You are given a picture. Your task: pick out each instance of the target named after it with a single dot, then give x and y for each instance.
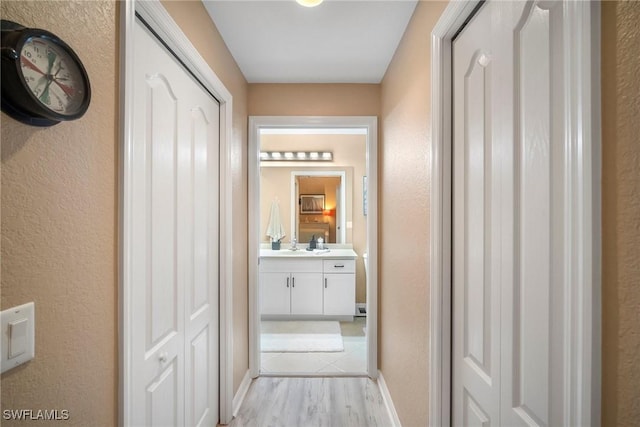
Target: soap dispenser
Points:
(312, 242)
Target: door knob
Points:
(163, 357)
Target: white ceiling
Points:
(336, 42)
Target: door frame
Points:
(343, 199)
(172, 36)
(370, 123)
(582, 359)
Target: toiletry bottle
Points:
(320, 244)
(312, 242)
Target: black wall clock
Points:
(43, 80)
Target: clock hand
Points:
(31, 65)
(52, 57)
(45, 93)
(59, 68)
(66, 89)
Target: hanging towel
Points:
(275, 230)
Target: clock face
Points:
(52, 75)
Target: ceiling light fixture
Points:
(309, 3)
(324, 156)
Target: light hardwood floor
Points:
(312, 402)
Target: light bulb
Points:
(309, 3)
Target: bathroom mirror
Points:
(318, 202)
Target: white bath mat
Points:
(300, 336)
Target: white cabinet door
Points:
(306, 293)
(275, 297)
(339, 294)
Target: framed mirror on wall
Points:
(321, 203)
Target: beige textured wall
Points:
(621, 213)
(404, 219)
(59, 229)
(195, 22)
(314, 99)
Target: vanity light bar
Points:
(313, 156)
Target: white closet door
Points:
(175, 250)
(509, 210)
(476, 261)
(534, 254)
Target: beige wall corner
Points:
(195, 22)
(620, 213)
(59, 195)
(404, 233)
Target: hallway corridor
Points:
(296, 402)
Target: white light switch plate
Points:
(18, 335)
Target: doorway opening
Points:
(304, 303)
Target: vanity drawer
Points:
(339, 265)
(291, 265)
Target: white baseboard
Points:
(388, 403)
(241, 393)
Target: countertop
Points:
(302, 253)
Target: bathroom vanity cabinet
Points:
(307, 286)
(339, 296)
(291, 293)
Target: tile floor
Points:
(352, 360)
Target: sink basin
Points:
(286, 252)
(332, 253)
(289, 252)
(300, 252)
